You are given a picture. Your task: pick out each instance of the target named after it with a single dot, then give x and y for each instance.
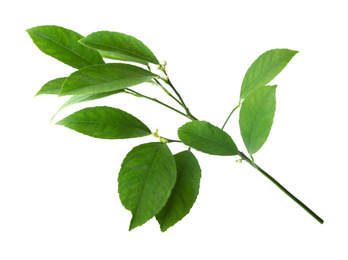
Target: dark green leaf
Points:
(86, 97)
(145, 181)
(105, 123)
(62, 44)
(264, 69)
(119, 46)
(207, 138)
(52, 87)
(104, 78)
(256, 117)
(184, 193)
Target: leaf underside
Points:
(184, 193)
(145, 181)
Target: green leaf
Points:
(119, 46)
(264, 69)
(62, 44)
(184, 193)
(86, 97)
(256, 117)
(104, 78)
(207, 138)
(52, 87)
(105, 123)
(145, 181)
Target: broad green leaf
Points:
(52, 87)
(184, 193)
(105, 123)
(62, 44)
(256, 117)
(207, 138)
(104, 78)
(86, 97)
(119, 46)
(264, 69)
(145, 181)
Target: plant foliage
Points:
(152, 182)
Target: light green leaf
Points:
(62, 44)
(207, 138)
(184, 193)
(119, 46)
(256, 117)
(52, 87)
(86, 97)
(145, 181)
(105, 123)
(264, 69)
(104, 78)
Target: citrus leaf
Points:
(62, 44)
(184, 193)
(256, 117)
(105, 123)
(119, 46)
(145, 181)
(265, 68)
(86, 97)
(52, 87)
(207, 138)
(104, 78)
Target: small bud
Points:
(158, 67)
(165, 78)
(164, 63)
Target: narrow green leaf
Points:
(52, 87)
(86, 97)
(104, 78)
(62, 44)
(119, 46)
(145, 181)
(256, 117)
(105, 123)
(207, 138)
(184, 193)
(265, 68)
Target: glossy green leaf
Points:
(105, 123)
(264, 69)
(62, 44)
(184, 193)
(84, 98)
(52, 87)
(104, 78)
(119, 46)
(207, 138)
(145, 181)
(256, 117)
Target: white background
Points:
(58, 188)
